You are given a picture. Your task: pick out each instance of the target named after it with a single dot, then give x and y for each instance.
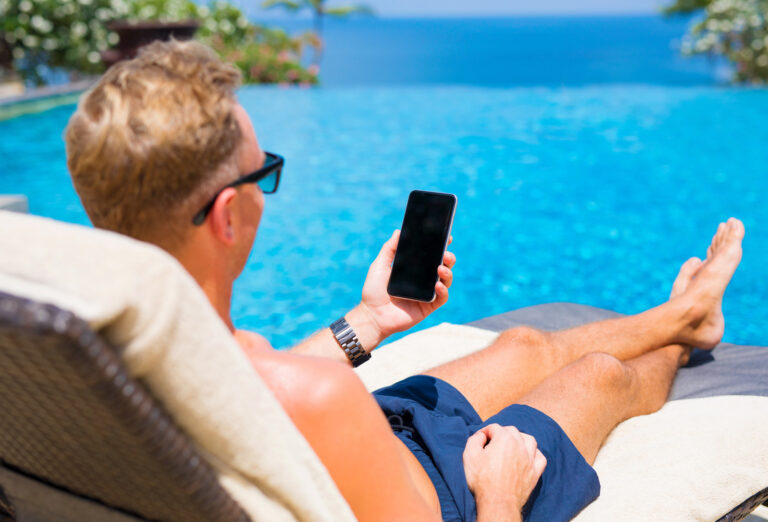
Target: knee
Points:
(525, 335)
(606, 369)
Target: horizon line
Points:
(432, 16)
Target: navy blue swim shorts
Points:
(434, 420)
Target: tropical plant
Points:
(319, 11)
(268, 56)
(736, 29)
(55, 34)
(686, 6)
(42, 35)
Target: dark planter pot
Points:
(133, 36)
(6, 56)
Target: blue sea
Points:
(571, 186)
(507, 52)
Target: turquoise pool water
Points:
(593, 195)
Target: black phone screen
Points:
(420, 250)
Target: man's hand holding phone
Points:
(393, 314)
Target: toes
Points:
(736, 227)
(687, 272)
(690, 266)
(727, 232)
(721, 231)
(694, 264)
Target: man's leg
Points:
(522, 358)
(589, 397)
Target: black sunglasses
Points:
(267, 177)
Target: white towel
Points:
(142, 300)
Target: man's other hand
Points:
(502, 467)
(392, 314)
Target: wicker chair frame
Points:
(7, 512)
(75, 419)
(743, 510)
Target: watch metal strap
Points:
(349, 342)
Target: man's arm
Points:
(379, 315)
(346, 429)
(323, 344)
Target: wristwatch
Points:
(349, 342)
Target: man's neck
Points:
(220, 296)
(212, 278)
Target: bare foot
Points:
(685, 276)
(702, 291)
(682, 281)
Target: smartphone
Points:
(423, 240)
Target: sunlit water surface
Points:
(593, 195)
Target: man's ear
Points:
(223, 216)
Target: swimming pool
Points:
(593, 195)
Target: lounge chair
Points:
(125, 398)
(75, 418)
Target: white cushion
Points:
(143, 301)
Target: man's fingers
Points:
(475, 443)
(441, 295)
(539, 463)
(387, 252)
(492, 430)
(446, 275)
(530, 445)
(449, 259)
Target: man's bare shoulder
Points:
(341, 420)
(251, 342)
(292, 377)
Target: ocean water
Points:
(505, 52)
(590, 194)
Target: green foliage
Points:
(348, 10)
(318, 7)
(70, 34)
(289, 5)
(738, 30)
(56, 33)
(686, 6)
(160, 10)
(226, 22)
(269, 56)
(263, 54)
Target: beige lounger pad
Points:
(143, 301)
(695, 459)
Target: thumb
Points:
(387, 253)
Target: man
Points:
(160, 150)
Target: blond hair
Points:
(149, 141)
